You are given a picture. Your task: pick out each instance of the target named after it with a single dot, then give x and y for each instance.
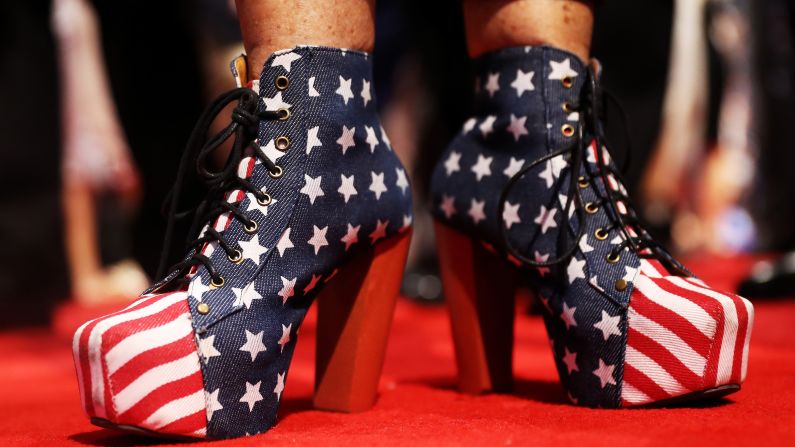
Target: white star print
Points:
(469, 125)
(288, 288)
(487, 126)
(584, 247)
(253, 344)
(379, 232)
(594, 281)
(246, 295)
(517, 127)
(213, 404)
(271, 152)
(318, 239)
(562, 198)
(605, 373)
(452, 164)
(311, 84)
(372, 140)
(377, 185)
(510, 214)
(407, 219)
(312, 188)
(366, 95)
(285, 60)
(493, 84)
(346, 187)
(312, 283)
(541, 258)
(197, 288)
(523, 82)
(251, 249)
(546, 174)
(476, 210)
(312, 140)
(514, 166)
(546, 218)
(285, 335)
(402, 182)
(483, 167)
(448, 205)
(568, 316)
(558, 165)
(608, 325)
(575, 269)
(385, 138)
(561, 70)
(276, 102)
(253, 204)
(351, 237)
(570, 360)
(207, 348)
(344, 89)
(346, 139)
(631, 273)
(279, 385)
(252, 395)
(284, 242)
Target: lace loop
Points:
(617, 205)
(245, 119)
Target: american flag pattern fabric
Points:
(655, 337)
(162, 364)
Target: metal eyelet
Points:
(284, 114)
(621, 285)
(567, 107)
(567, 130)
(612, 257)
(203, 308)
(281, 82)
(567, 82)
(591, 208)
(266, 200)
(583, 182)
(251, 227)
(237, 258)
(278, 173)
(217, 282)
(600, 234)
(282, 143)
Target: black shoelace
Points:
(591, 111)
(244, 126)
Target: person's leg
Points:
(270, 25)
(496, 24)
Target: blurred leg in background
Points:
(97, 168)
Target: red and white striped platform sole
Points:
(139, 368)
(685, 339)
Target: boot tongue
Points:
(239, 69)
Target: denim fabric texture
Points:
(519, 117)
(343, 190)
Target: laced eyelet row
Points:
(282, 143)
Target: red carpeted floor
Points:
(419, 405)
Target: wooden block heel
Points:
(479, 289)
(354, 316)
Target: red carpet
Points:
(418, 402)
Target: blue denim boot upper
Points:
(507, 181)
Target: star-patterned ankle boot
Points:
(529, 188)
(312, 203)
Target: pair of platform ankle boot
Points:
(313, 203)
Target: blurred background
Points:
(97, 99)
